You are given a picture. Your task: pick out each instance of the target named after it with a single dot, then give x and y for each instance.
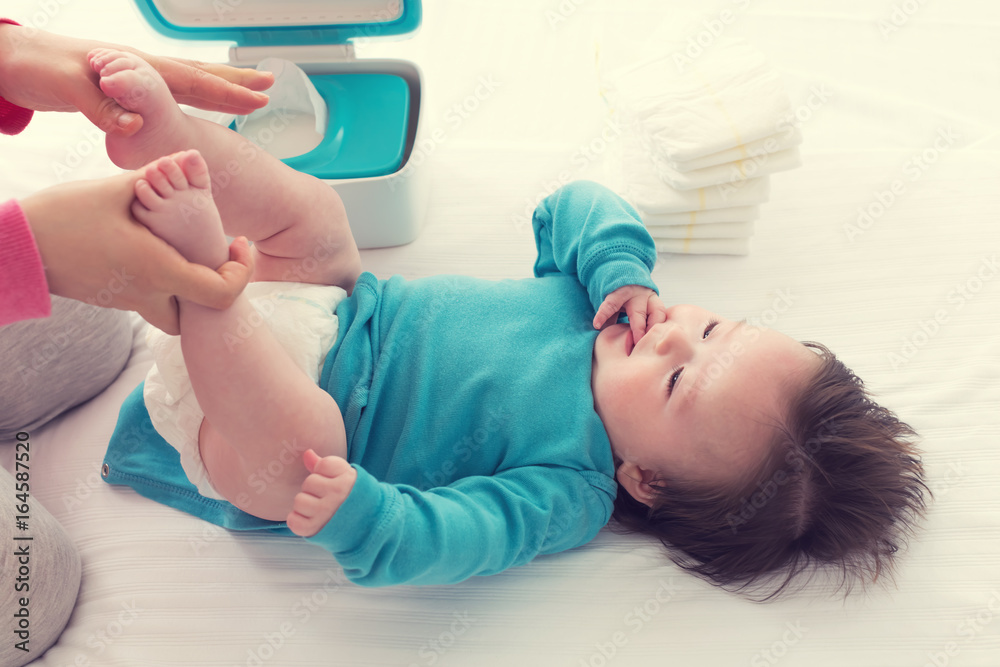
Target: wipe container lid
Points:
(277, 23)
(374, 105)
(368, 128)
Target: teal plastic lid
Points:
(366, 134)
(277, 23)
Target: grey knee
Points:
(41, 578)
(51, 365)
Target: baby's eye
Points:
(709, 328)
(675, 377)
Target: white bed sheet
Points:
(163, 588)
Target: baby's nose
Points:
(671, 340)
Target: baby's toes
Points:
(133, 89)
(146, 197)
(173, 173)
(195, 169)
(159, 180)
(125, 87)
(100, 57)
(113, 62)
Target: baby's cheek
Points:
(628, 394)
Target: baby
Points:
(451, 426)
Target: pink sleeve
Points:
(24, 291)
(13, 118)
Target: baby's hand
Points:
(323, 492)
(641, 304)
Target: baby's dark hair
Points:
(842, 487)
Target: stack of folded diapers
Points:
(700, 138)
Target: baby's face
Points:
(697, 397)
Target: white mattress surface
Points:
(163, 588)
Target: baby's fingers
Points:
(610, 308)
(656, 312)
(327, 466)
(635, 308)
(317, 502)
(310, 458)
(309, 506)
(307, 516)
(335, 488)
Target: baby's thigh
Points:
(263, 480)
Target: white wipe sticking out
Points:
(294, 120)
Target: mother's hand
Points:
(48, 72)
(94, 250)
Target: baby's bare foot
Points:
(173, 198)
(137, 87)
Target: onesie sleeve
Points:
(387, 534)
(587, 231)
(13, 118)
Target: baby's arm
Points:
(385, 534)
(587, 231)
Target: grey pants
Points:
(46, 367)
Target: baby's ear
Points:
(638, 482)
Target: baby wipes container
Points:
(373, 118)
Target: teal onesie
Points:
(467, 405)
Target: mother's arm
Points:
(67, 241)
(43, 71)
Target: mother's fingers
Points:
(214, 87)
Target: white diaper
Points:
(301, 317)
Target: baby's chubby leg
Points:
(297, 223)
(260, 407)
